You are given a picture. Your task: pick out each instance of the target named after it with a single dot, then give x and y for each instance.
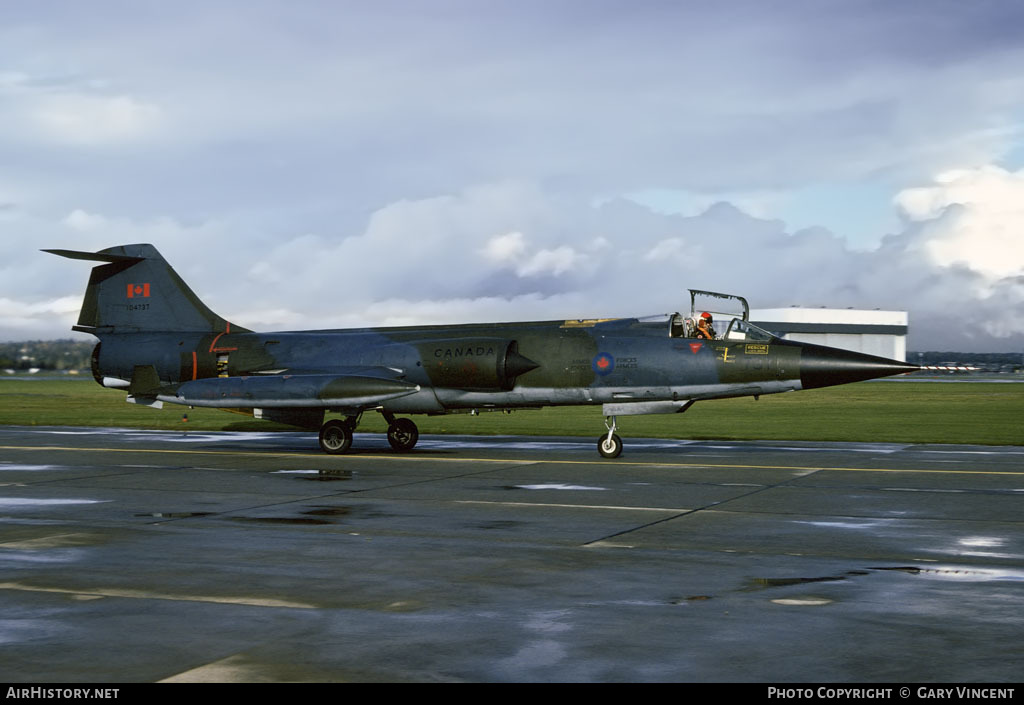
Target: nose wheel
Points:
(609, 445)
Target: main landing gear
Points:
(402, 433)
(609, 445)
(336, 434)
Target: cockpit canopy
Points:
(737, 329)
(708, 312)
(745, 330)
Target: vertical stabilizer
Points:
(137, 291)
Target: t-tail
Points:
(136, 291)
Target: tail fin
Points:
(137, 291)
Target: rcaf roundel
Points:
(603, 363)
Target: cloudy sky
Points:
(333, 164)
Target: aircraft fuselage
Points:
(618, 362)
(160, 343)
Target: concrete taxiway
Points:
(157, 556)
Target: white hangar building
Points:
(881, 333)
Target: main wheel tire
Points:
(402, 435)
(335, 437)
(609, 447)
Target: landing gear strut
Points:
(609, 445)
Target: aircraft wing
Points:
(360, 389)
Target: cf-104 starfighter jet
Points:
(160, 343)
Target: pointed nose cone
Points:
(824, 367)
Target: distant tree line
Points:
(46, 355)
(986, 361)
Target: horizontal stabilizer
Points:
(94, 256)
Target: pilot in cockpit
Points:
(705, 330)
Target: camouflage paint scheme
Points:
(160, 343)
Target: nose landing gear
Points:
(609, 445)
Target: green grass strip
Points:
(984, 413)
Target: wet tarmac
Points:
(152, 556)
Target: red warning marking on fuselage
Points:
(695, 347)
(214, 342)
